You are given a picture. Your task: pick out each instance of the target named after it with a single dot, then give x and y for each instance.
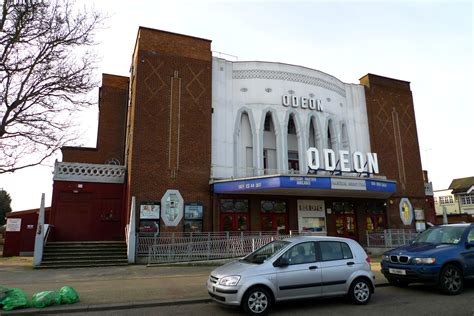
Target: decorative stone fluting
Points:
(289, 76)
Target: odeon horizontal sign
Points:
(302, 182)
(302, 102)
(360, 163)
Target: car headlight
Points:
(424, 260)
(385, 258)
(230, 280)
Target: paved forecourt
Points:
(103, 288)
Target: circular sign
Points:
(406, 211)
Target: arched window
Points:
(246, 165)
(332, 141)
(344, 138)
(292, 142)
(269, 145)
(314, 136)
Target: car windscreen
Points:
(441, 235)
(266, 252)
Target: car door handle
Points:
(313, 267)
(350, 263)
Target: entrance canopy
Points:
(309, 185)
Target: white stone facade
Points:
(244, 93)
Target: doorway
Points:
(346, 226)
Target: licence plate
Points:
(397, 271)
(210, 288)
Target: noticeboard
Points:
(13, 225)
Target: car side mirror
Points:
(282, 262)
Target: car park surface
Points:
(295, 268)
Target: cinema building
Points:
(194, 142)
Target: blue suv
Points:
(442, 255)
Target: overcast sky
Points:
(429, 44)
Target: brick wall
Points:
(393, 136)
(113, 98)
(169, 141)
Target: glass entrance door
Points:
(234, 215)
(275, 222)
(274, 216)
(234, 222)
(346, 226)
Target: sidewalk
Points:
(120, 287)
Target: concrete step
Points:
(80, 253)
(81, 265)
(88, 250)
(84, 261)
(91, 246)
(70, 258)
(84, 254)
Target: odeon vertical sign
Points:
(361, 163)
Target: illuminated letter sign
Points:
(360, 163)
(302, 102)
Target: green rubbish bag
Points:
(3, 292)
(68, 295)
(45, 298)
(15, 298)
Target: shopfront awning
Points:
(311, 185)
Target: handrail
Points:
(47, 229)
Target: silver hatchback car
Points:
(294, 268)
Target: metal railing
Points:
(184, 247)
(390, 238)
(47, 228)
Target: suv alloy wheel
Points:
(451, 280)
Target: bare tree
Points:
(46, 67)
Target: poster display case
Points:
(311, 216)
(149, 221)
(193, 216)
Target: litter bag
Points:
(68, 295)
(3, 292)
(15, 298)
(45, 298)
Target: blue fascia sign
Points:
(303, 182)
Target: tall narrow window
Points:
(269, 145)
(291, 126)
(267, 126)
(344, 137)
(245, 152)
(292, 140)
(329, 138)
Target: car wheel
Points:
(257, 301)
(451, 280)
(359, 291)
